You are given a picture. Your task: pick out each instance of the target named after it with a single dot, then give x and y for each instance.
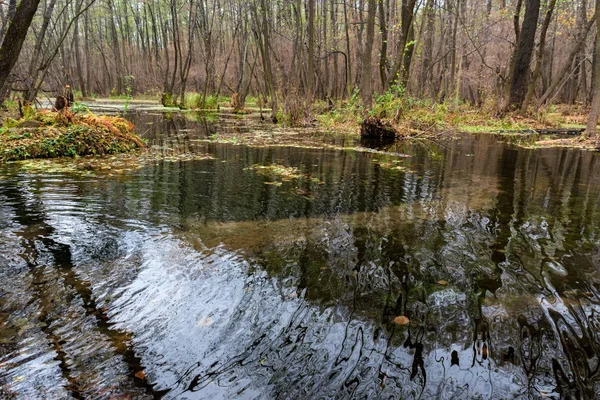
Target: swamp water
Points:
(277, 272)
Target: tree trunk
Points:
(115, 48)
(406, 16)
(522, 56)
(324, 46)
(384, 39)
(265, 46)
(348, 54)
(15, 36)
(310, 74)
(37, 52)
(591, 128)
(86, 49)
(78, 68)
(425, 78)
(367, 80)
(563, 72)
(540, 56)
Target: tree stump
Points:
(375, 128)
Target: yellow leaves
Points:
(401, 320)
(140, 375)
(280, 173)
(442, 282)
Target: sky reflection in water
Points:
(218, 285)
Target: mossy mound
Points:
(47, 134)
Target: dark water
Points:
(211, 280)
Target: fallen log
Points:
(565, 131)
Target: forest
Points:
(505, 56)
(299, 199)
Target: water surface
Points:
(215, 279)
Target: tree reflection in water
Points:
(226, 287)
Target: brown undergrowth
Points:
(47, 134)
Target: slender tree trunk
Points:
(335, 84)
(384, 41)
(408, 55)
(348, 54)
(37, 52)
(367, 80)
(78, 61)
(185, 68)
(425, 79)
(325, 46)
(560, 77)
(406, 15)
(595, 61)
(266, 50)
(516, 18)
(358, 42)
(453, 47)
(115, 48)
(86, 49)
(310, 75)
(591, 128)
(177, 45)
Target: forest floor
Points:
(433, 120)
(410, 119)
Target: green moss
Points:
(67, 135)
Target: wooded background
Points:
(517, 53)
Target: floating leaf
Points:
(401, 320)
(442, 282)
(208, 321)
(140, 375)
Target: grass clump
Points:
(48, 134)
(198, 101)
(411, 116)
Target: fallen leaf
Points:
(140, 375)
(208, 321)
(401, 320)
(442, 282)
